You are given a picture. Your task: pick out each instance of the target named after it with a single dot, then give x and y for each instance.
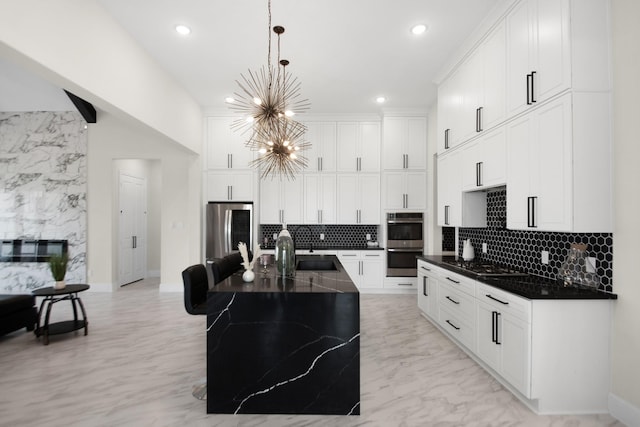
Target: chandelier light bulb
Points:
(270, 143)
(285, 143)
(289, 113)
(229, 100)
(249, 119)
(257, 101)
(262, 150)
(293, 156)
(296, 148)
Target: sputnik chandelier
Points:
(267, 103)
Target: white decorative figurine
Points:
(248, 275)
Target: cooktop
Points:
(485, 269)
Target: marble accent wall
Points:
(43, 191)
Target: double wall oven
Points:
(405, 241)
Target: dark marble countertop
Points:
(310, 281)
(530, 287)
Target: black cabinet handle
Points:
(446, 139)
(446, 215)
(479, 167)
(453, 326)
(531, 211)
(497, 330)
(425, 268)
(452, 300)
(479, 119)
(454, 281)
(529, 78)
(533, 92)
(493, 326)
(424, 287)
(496, 299)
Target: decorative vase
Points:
(248, 276)
(285, 254)
(60, 284)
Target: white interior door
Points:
(132, 229)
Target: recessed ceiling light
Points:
(381, 99)
(418, 29)
(183, 29)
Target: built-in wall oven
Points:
(405, 241)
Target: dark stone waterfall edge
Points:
(283, 353)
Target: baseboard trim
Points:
(171, 287)
(624, 411)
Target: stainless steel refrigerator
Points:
(227, 224)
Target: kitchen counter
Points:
(530, 287)
(284, 345)
(332, 248)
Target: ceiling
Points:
(345, 53)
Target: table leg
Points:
(84, 316)
(37, 331)
(73, 298)
(45, 328)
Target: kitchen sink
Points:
(316, 265)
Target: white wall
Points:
(78, 46)
(180, 195)
(626, 322)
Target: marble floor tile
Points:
(144, 353)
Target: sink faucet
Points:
(295, 236)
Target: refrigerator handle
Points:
(227, 230)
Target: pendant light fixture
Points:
(267, 103)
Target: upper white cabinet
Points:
(281, 201)
(472, 99)
(449, 190)
(358, 198)
(554, 45)
(559, 168)
(359, 144)
(405, 190)
(320, 198)
(322, 154)
(484, 162)
(404, 143)
(230, 186)
(226, 148)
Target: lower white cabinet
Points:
(401, 284)
(428, 289)
(365, 268)
(551, 353)
(503, 337)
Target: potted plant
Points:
(58, 265)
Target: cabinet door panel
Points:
(519, 134)
(394, 190)
(393, 145)
(486, 348)
(348, 199)
(416, 183)
(372, 271)
(516, 353)
(369, 199)
(369, 149)
(518, 26)
(270, 201)
(416, 143)
(347, 140)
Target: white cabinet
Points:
(554, 45)
(558, 166)
(538, 52)
(427, 289)
(359, 144)
(322, 154)
(230, 186)
(449, 102)
(365, 268)
(449, 190)
(320, 198)
(226, 148)
(404, 143)
(484, 161)
(405, 190)
(504, 335)
(281, 201)
(358, 198)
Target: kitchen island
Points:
(285, 345)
